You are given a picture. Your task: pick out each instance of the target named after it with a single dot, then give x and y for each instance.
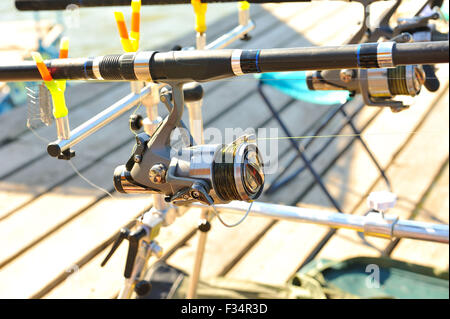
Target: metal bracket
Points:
(396, 106)
(379, 225)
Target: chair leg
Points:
(299, 149)
(364, 144)
(278, 185)
(275, 185)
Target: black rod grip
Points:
(425, 52)
(36, 5)
(208, 65)
(312, 58)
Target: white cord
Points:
(43, 139)
(88, 181)
(235, 224)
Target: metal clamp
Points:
(384, 54)
(377, 225)
(236, 62)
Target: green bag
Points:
(352, 278)
(361, 277)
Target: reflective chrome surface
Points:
(390, 228)
(200, 40)
(384, 54)
(236, 62)
(377, 80)
(248, 175)
(196, 120)
(63, 128)
(233, 35)
(141, 66)
(96, 68)
(412, 74)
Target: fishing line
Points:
(71, 164)
(46, 141)
(88, 181)
(235, 224)
(348, 135)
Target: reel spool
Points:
(377, 86)
(218, 174)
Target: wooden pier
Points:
(55, 229)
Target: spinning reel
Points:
(210, 174)
(378, 87)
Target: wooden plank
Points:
(434, 210)
(38, 177)
(270, 260)
(121, 264)
(64, 248)
(223, 245)
(66, 202)
(92, 281)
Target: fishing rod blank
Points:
(205, 65)
(26, 5)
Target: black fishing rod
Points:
(36, 5)
(207, 65)
(26, 5)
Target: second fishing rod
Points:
(204, 65)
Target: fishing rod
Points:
(26, 5)
(205, 65)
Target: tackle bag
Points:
(361, 277)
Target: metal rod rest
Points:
(231, 36)
(389, 227)
(97, 122)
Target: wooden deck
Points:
(55, 228)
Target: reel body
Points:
(211, 174)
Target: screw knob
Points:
(142, 288)
(381, 201)
(204, 225)
(157, 174)
(135, 121)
